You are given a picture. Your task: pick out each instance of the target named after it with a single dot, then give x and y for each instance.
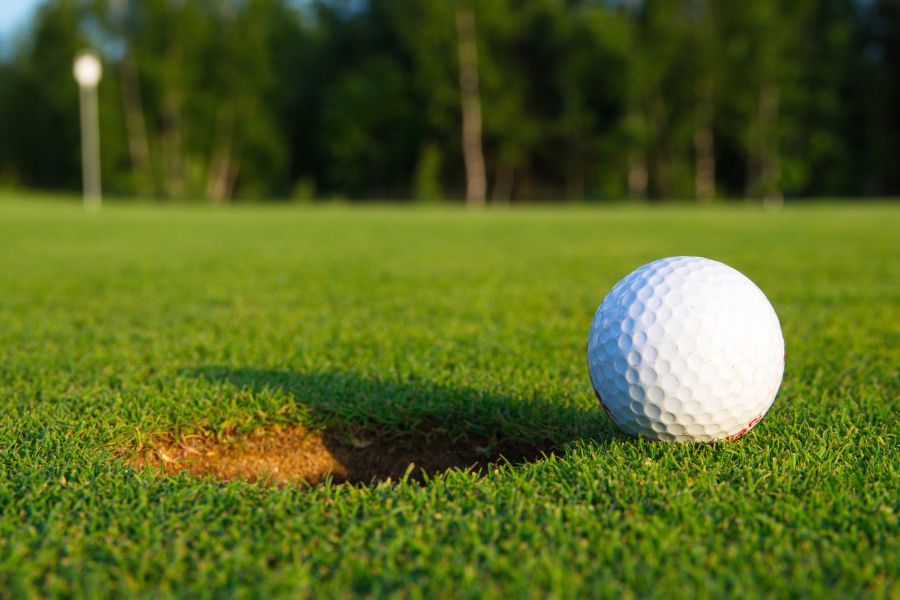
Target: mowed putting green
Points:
(442, 338)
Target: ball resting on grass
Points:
(686, 349)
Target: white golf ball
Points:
(686, 349)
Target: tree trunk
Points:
(473, 155)
(132, 105)
(138, 147)
(219, 174)
(173, 165)
(575, 175)
(704, 145)
(765, 167)
(171, 138)
(704, 164)
(663, 161)
(637, 176)
(503, 184)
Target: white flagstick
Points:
(88, 71)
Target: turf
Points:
(432, 322)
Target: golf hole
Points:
(295, 455)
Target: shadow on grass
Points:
(374, 429)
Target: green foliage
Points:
(428, 174)
(304, 190)
(579, 99)
(142, 319)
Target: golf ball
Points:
(686, 349)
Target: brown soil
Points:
(282, 455)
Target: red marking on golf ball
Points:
(745, 429)
(603, 404)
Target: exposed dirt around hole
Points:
(283, 455)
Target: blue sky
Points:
(15, 13)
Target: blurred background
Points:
(489, 100)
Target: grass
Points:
(148, 319)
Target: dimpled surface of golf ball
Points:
(686, 349)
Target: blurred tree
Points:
(878, 95)
(367, 128)
(507, 99)
(40, 102)
(427, 32)
(470, 94)
(204, 71)
(706, 78)
(593, 79)
(121, 25)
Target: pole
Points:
(90, 148)
(88, 71)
